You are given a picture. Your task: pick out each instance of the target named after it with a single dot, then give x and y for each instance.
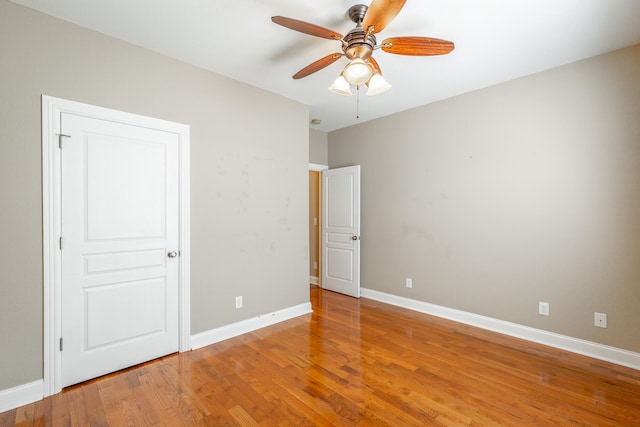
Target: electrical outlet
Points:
(238, 302)
(543, 308)
(409, 283)
(315, 265)
(315, 221)
(600, 320)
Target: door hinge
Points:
(60, 343)
(60, 136)
(60, 243)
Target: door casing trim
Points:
(52, 108)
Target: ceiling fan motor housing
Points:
(358, 44)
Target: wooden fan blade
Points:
(374, 64)
(381, 13)
(417, 46)
(305, 27)
(318, 65)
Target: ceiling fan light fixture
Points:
(357, 72)
(341, 86)
(377, 85)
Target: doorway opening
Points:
(315, 223)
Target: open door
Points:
(341, 230)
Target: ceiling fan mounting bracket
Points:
(357, 12)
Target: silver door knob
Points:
(172, 254)
(354, 237)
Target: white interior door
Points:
(341, 230)
(119, 246)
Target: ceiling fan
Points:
(359, 43)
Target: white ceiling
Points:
(496, 40)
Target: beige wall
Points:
(314, 229)
(249, 194)
(523, 192)
(318, 147)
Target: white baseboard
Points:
(575, 345)
(34, 391)
(233, 330)
(314, 280)
(20, 395)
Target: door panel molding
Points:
(52, 109)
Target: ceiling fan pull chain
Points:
(357, 101)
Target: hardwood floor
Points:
(353, 362)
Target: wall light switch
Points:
(543, 308)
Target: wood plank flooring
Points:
(353, 363)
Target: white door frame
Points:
(52, 108)
(317, 167)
